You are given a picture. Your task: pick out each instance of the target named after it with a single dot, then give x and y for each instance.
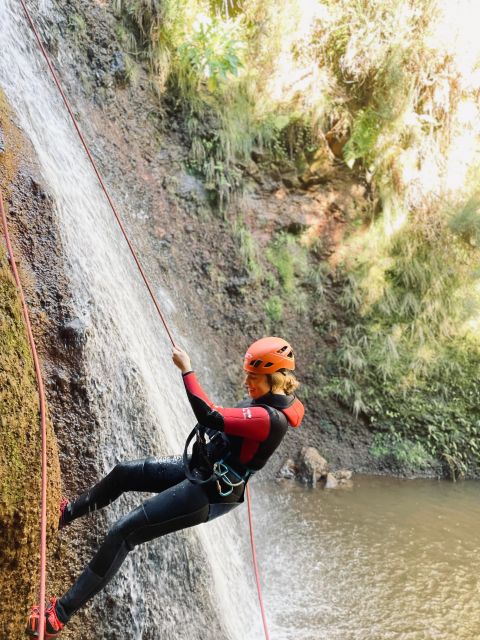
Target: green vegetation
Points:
(20, 468)
(217, 61)
(18, 395)
(248, 251)
(210, 55)
(287, 256)
(400, 452)
(19, 459)
(77, 26)
(274, 309)
(408, 356)
(392, 86)
(442, 414)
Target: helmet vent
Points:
(282, 349)
(269, 364)
(255, 363)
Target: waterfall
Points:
(194, 584)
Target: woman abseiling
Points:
(241, 440)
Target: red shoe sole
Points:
(33, 620)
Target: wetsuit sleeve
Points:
(250, 422)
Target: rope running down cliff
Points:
(140, 268)
(43, 415)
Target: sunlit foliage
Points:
(391, 89)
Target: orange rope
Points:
(43, 417)
(255, 566)
(95, 168)
(137, 261)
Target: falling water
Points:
(180, 583)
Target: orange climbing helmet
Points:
(268, 355)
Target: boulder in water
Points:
(312, 466)
(340, 478)
(288, 470)
(343, 474)
(331, 482)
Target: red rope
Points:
(137, 261)
(43, 418)
(255, 565)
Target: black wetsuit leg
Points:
(183, 505)
(180, 504)
(146, 474)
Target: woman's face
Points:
(257, 384)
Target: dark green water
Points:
(387, 559)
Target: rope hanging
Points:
(95, 168)
(43, 416)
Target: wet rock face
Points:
(74, 333)
(118, 67)
(235, 286)
(37, 189)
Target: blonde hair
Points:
(283, 380)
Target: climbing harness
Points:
(221, 470)
(199, 462)
(150, 291)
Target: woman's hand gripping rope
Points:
(181, 359)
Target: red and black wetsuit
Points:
(244, 436)
(251, 431)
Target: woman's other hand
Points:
(181, 359)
